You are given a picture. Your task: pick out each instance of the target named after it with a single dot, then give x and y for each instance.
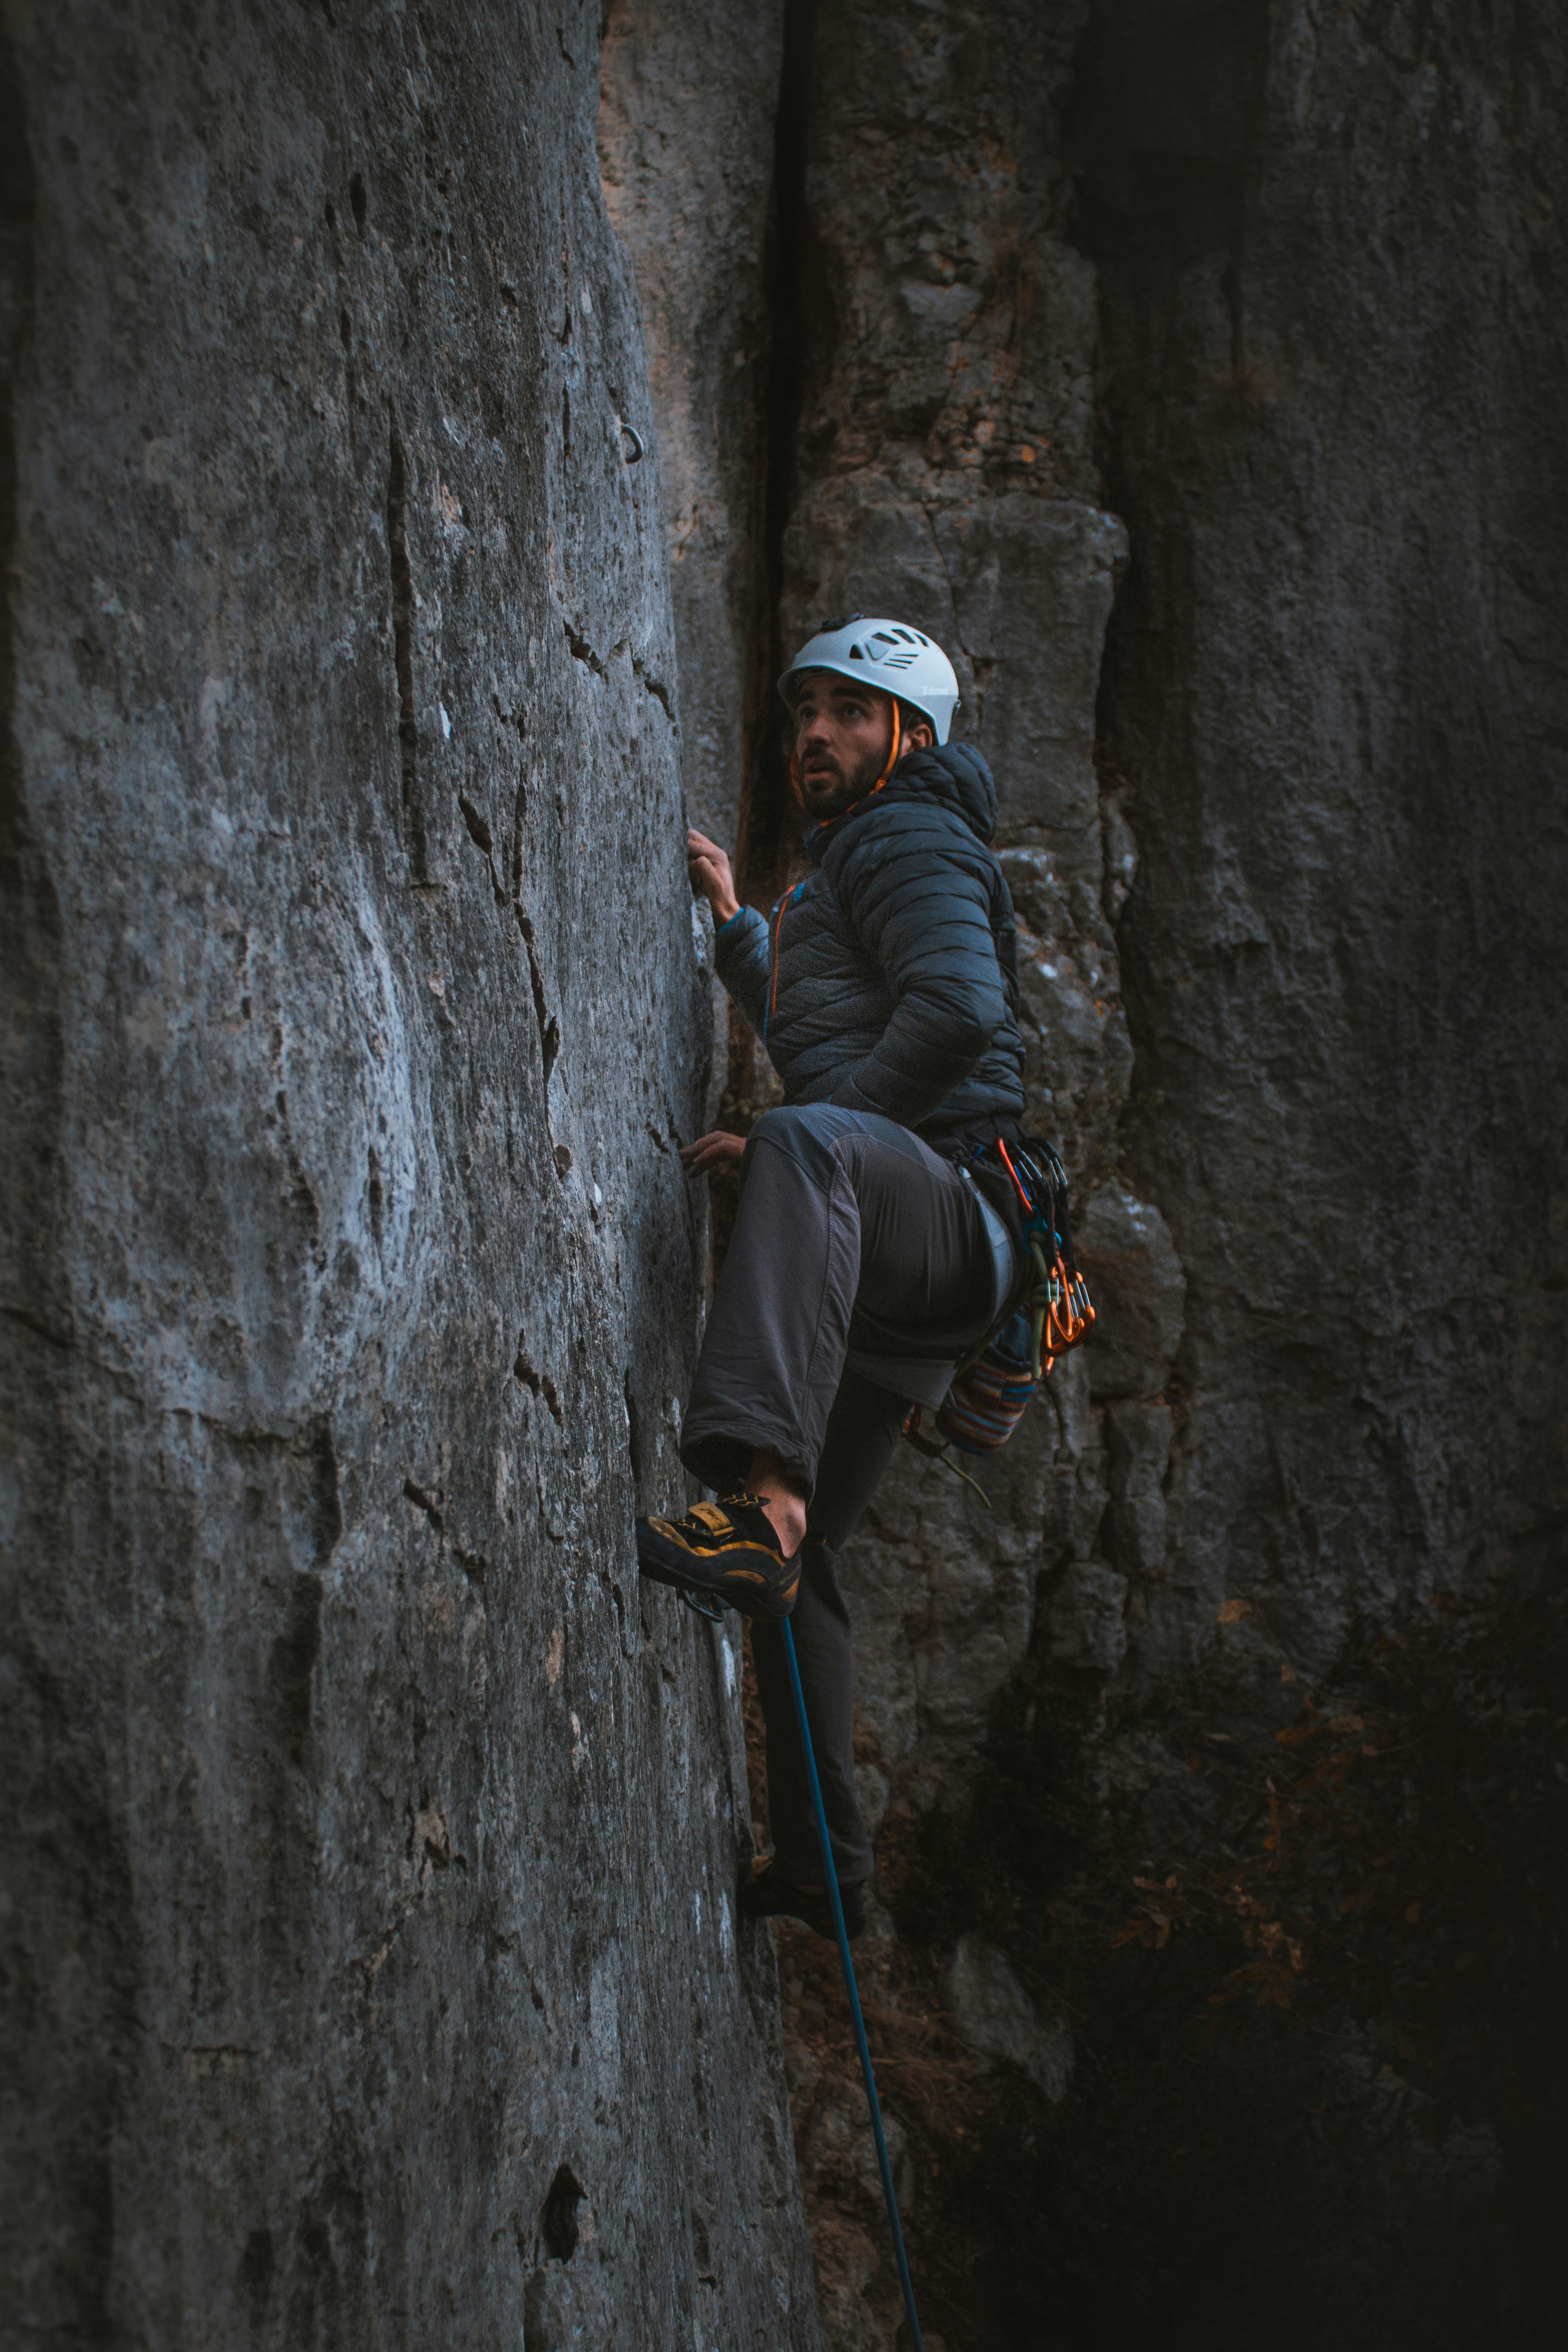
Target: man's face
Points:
(844, 732)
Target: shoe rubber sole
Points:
(751, 1591)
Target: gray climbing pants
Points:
(861, 1268)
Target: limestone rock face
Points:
(1140, 1292)
(370, 1946)
(993, 2014)
(686, 145)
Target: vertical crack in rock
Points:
(690, 123)
(414, 833)
(295, 1653)
(633, 1432)
(549, 1026)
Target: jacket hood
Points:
(954, 774)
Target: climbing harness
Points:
(831, 1875)
(994, 1382)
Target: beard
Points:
(827, 789)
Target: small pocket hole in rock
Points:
(558, 2219)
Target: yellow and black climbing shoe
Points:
(727, 1552)
(767, 1894)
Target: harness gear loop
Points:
(1060, 1308)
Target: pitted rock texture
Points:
(374, 1974)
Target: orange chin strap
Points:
(894, 749)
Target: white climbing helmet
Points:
(888, 655)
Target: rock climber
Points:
(865, 1259)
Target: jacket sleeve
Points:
(923, 910)
(740, 959)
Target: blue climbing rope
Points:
(831, 1875)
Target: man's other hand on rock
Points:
(716, 1150)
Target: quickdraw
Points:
(1061, 1310)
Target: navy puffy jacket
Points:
(886, 981)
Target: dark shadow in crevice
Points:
(1165, 135)
(558, 2223)
(765, 807)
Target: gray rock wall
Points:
(372, 1969)
(686, 134)
(1331, 272)
(1194, 374)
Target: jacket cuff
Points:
(731, 940)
